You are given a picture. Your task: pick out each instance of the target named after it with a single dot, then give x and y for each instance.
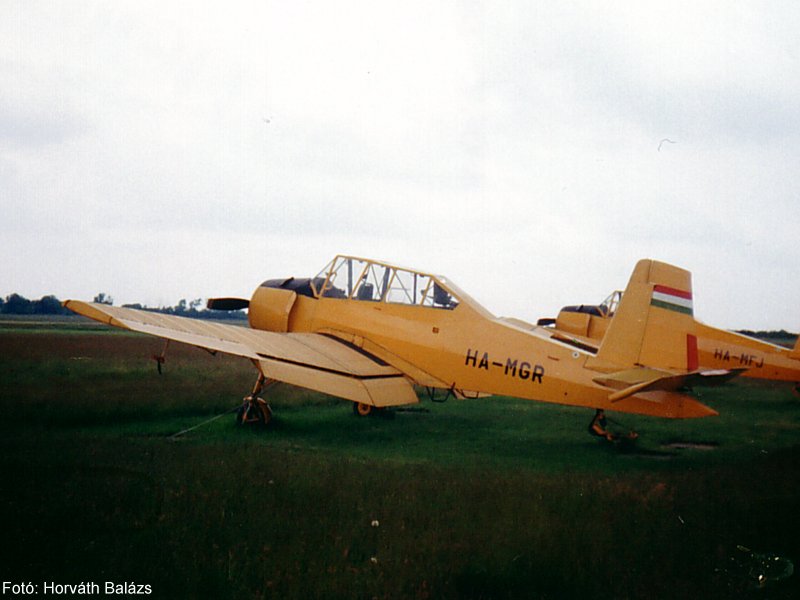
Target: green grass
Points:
(491, 498)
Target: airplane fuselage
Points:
(720, 349)
(463, 348)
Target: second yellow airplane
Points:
(587, 326)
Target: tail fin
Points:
(795, 353)
(654, 324)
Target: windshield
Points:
(609, 306)
(371, 281)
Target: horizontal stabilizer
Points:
(645, 384)
(637, 380)
(634, 381)
(227, 303)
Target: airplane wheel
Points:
(254, 412)
(362, 410)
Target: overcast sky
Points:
(530, 151)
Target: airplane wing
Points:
(316, 361)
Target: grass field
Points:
(491, 498)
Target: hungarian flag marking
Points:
(672, 299)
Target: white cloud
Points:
(512, 146)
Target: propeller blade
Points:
(227, 303)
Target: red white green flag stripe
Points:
(672, 299)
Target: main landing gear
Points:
(254, 409)
(361, 409)
(598, 427)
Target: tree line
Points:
(15, 304)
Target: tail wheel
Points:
(361, 409)
(598, 428)
(254, 411)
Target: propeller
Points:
(227, 303)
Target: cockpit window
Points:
(348, 277)
(372, 282)
(337, 278)
(441, 298)
(404, 287)
(609, 306)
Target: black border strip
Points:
(352, 346)
(327, 370)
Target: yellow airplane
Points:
(587, 325)
(368, 331)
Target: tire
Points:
(362, 410)
(256, 413)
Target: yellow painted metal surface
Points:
(716, 348)
(728, 350)
(279, 306)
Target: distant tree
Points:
(17, 305)
(51, 305)
(48, 305)
(186, 308)
(103, 298)
(781, 338)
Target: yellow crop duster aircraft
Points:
(587, 326)
(366, 331)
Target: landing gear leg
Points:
(254, 409)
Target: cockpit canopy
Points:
(373, 281)
(606, 308)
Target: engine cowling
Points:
(270, 308)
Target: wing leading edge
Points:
(310, 360)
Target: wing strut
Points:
(434, 398)
(161, 358)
